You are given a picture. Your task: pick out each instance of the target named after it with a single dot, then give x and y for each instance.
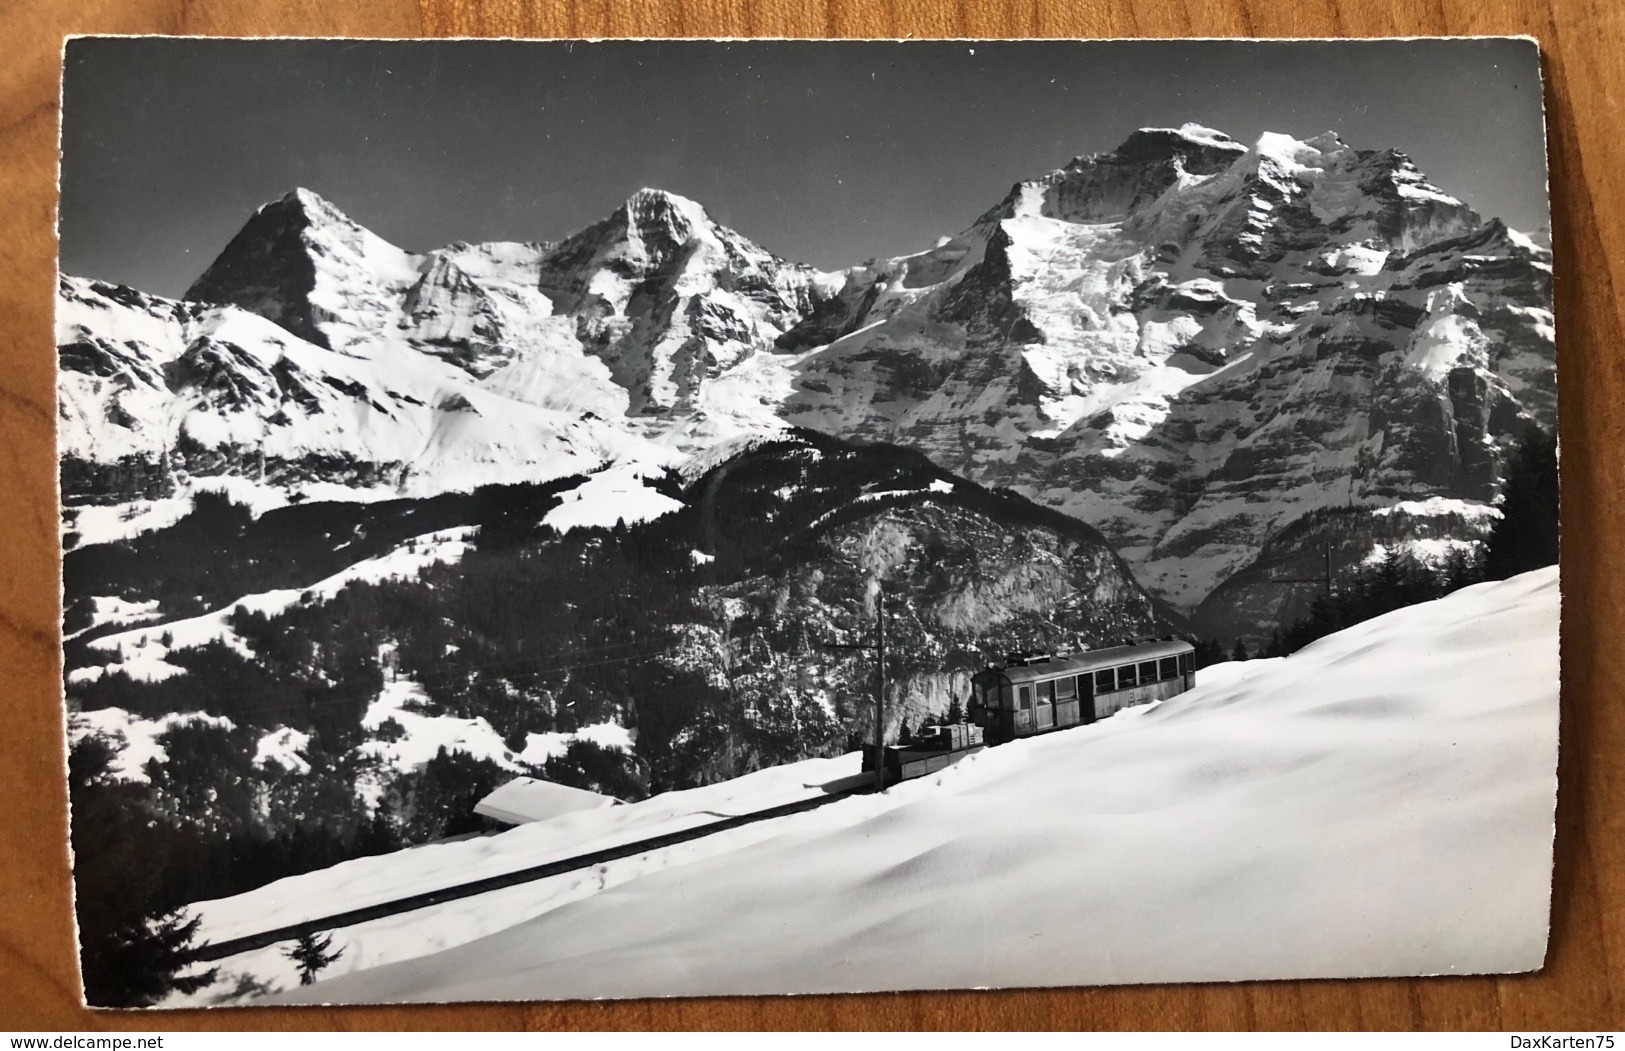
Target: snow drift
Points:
(1380, 803)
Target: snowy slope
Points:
(364, 881)
(160, 397)
(368, 881)
(1317, 815)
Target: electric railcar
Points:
(1034, 695)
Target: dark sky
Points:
(823, 153)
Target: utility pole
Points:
(880, 685)
(878, 648)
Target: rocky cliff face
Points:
(1191, 344)
(795, 533)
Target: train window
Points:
(1126, 677)
(1046, 692)
(1169, 666)
(1026, 693)
(1148, 672)
(1066, 689)
(1104, 681)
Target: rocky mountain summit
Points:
(1187, 342)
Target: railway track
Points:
(232, 946)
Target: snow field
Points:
(140, 736)
(1381, 803)
(421, 736)
(614, 495)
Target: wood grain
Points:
(1582, 988)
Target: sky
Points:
(824, 153)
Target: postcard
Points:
(567, 520)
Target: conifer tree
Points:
(1208, 653)
(1526, 536)
(311, 953)
(132, 950)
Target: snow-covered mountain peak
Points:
(1114, 185)
(1327, 142)
(1197, 133)
(1295, 155)
(323, 225)
(301, 262)
(651, 204)
(1410, 182)
(315, 206)
(1148, 143)
(1156, 145)
(653, 226)
(643, 235)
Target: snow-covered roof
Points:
(527, 799)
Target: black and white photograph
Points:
(592, 520)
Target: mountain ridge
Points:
(1084, 341)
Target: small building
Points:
(527, 799)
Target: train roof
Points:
(1092, 660)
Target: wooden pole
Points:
(879, 649)
(880, 687)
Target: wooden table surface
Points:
(1583, 41)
